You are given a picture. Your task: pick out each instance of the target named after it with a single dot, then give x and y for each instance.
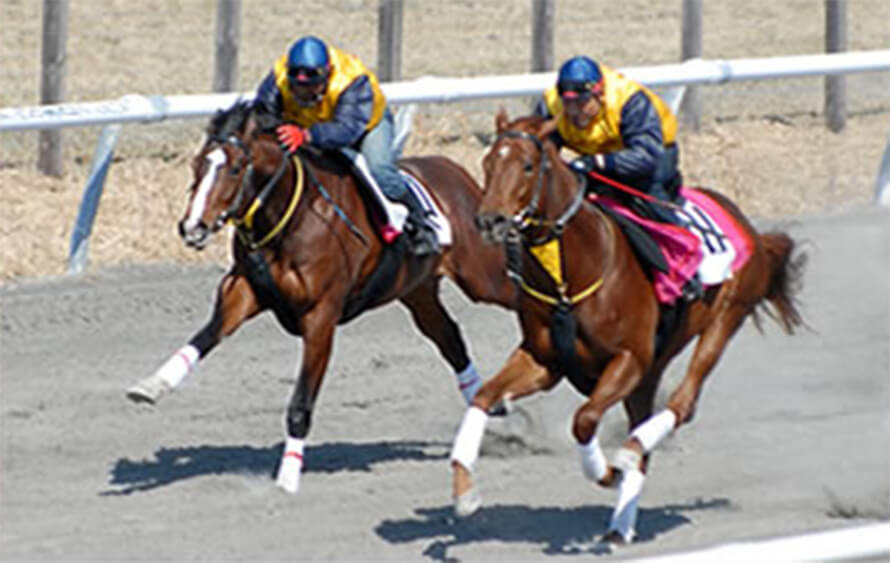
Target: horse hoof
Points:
(614, 537)
(468, 503)
(289, 485)
(501, 408)
(148, 390)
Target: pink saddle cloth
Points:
(684, 250)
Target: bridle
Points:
(230, 214)
(546, 248)
(244, 222)
(530, 216)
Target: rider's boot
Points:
(422, 238)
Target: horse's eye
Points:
(528, 168)
(236, 170)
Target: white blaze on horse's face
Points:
(215, 159)
(504, 151)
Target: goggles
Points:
(579, 90)
(307, 75)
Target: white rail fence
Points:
(861, 543)
(150, 109)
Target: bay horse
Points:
(307, 249)
(597, 327)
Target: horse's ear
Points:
(501, 120)
(547, 128)
(251, 129)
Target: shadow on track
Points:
(176, 464)
(561, 531)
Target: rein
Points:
(547, 250)
(244, 224)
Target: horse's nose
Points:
(493, 226)
(195, 236)
(481, 222)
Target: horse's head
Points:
(515, 168)
(221, 171)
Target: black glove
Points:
(586, 163)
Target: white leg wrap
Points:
(469, 437)
(178, 366)
(291, 465)
(469, 382)
(624, 517)
(654, 430)
(593, 461)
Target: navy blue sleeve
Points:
(268, 97)
(642, 138)
(351, 117)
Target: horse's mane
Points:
(226, 122)
(531, 123)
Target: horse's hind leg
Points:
(434, 322)
(235, 303)
(519, 377)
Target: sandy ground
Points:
(792, 433)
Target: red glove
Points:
(291, 137)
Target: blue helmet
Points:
(579, 77)
(307, 61)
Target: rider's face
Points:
(582, 110)
(308, 95)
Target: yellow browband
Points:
(257, 203)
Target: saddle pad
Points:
(679, 247)
(396, 213)
(725, 246)
(434, 215)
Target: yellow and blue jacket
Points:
(352, 104)
(631, 131)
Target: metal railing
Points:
(150, 109)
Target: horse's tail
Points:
(785, 281)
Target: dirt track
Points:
(792, 433)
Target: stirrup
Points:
(693, 289)
(424, 241)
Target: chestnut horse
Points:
(307, 249)
(598, 326)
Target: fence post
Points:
(89, 203)
(52, 81)
(882, 183)
(389, 40)
(835, 42)
(691, 49)
(542, 35)
(228, 31)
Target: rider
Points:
(621, 129)
(328, 98)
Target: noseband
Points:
(529, 216)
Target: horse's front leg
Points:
(235, 303)
(520, 376)
(318, 339)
